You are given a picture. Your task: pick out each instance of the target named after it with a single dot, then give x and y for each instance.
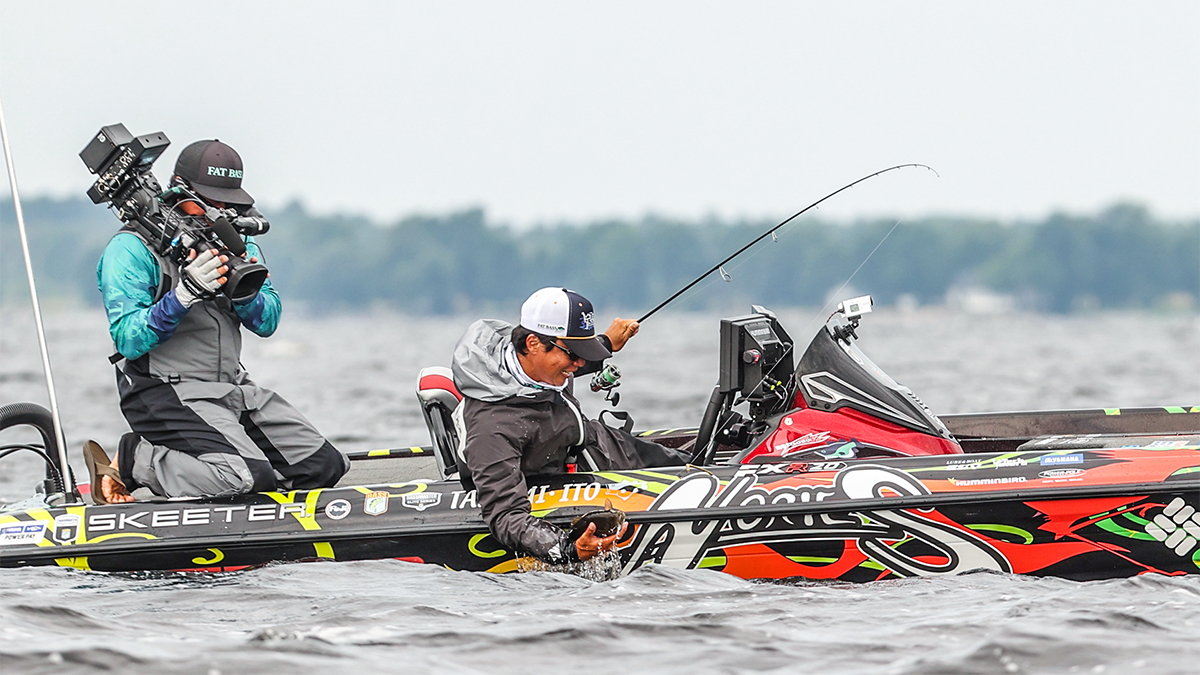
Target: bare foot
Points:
(113, 491)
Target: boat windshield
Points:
(834, 373)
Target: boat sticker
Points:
(972, 464)
(66, 528)
(964, 464)
(1170, 444)
(376, 503)
(814, 438)
(1178, 526)
(959, 482)
(22, 533)
(1058, 460)
(875, 533)
(1060, 473)
(810, 467)
(421, 500)
(192, 517)
(338, 509)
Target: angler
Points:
(519, 417)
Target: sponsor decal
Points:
(1178, 527)
(814, 438)
(421, 500)
(959, 482)
(22, 533)
(337, 509)
(585, 321)
(376, 503)
(551, 327)
(1059, 460)
(972, 464)
(809, 467)
(192, 516)
(1060, 473)
(66, 528)
(1170, 444)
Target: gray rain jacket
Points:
(512, 431)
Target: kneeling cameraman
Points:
(200, 426)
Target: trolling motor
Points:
(122, 163)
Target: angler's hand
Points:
(588, 545)
(202, 277)
(620, 331)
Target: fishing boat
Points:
(818, 468)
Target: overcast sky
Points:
(541, 111)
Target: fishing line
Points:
(768, 233)
(727, 272)
(37, 312)
(836, 294)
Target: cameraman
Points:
(200, 426)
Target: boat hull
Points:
(1078, 514)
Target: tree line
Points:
(1121, 257)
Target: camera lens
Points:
(243, 279)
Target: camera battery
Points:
(103, 146)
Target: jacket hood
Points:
(478, 364)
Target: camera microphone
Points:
(228, 236)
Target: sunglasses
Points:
(570, 354)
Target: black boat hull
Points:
(1077, 514)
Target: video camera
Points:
(122, 163)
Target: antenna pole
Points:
(65, 468)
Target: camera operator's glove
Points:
(200, 279)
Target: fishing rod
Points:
(67, 483)
(764, 235)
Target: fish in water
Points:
(608, 521)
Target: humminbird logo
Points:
(223, 172)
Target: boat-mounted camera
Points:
(852, 310)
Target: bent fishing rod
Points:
(772, 231)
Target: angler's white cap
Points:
(565, 314)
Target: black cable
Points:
(40, 451)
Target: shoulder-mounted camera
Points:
(122, 164)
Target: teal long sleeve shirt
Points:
(128, 276)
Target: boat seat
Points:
(439, 397)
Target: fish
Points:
(608, 521)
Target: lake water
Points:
(354, 377)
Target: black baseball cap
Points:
(214, 170)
